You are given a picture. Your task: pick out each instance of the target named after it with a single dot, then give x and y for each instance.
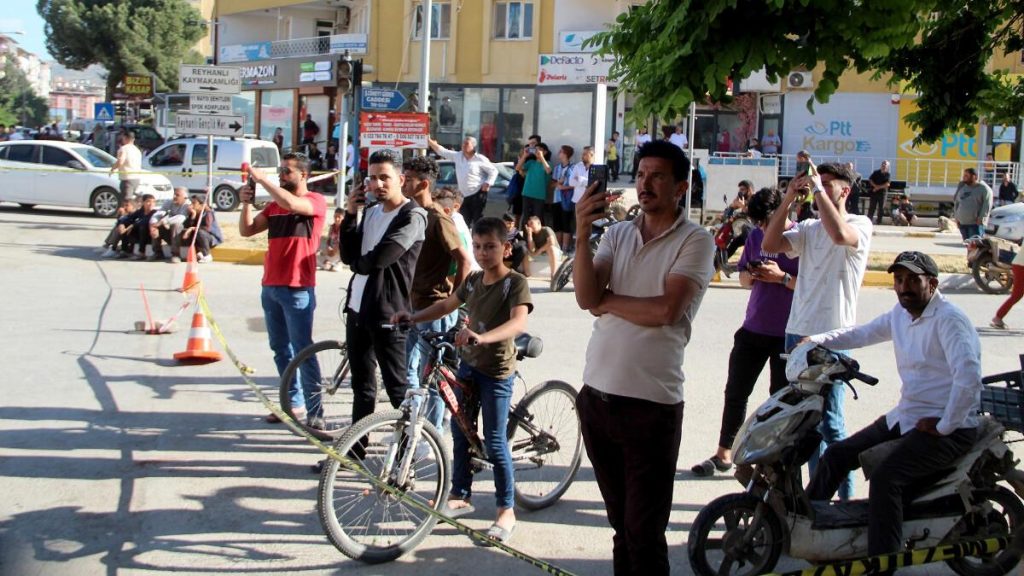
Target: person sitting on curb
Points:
(541, 239)
(201, 221)
(168, 224)
(118, 234)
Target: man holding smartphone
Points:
(294, 222)
(833, 252)
(644, 285)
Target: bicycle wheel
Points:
(365, 522)
(335, 390)
(562, 276)
(546, 443)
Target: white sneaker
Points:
(422, 451)
(205, 258)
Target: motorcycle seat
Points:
(528, 346)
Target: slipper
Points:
(457, 512)
(273, 419)
(998, 324)
(708, 467)
(497, 534)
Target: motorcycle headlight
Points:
(749, 448)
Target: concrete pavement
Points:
(116, 460)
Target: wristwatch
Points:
(786, 278)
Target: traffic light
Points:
(121, 110)
(346, 75)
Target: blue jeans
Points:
(968, 230)
(832, 426)
(417, 353)
(288, 313)
(495, 399)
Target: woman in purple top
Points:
(771, 279)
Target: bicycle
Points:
(368, 524)
(335, 390)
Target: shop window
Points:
(513, 20)
(517, 121)
(440, 21)
(277, 110)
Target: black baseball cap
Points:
(916, 262)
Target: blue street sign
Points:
(103, 111)
(382, 99)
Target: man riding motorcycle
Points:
(938, 357)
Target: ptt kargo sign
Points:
(393, 130)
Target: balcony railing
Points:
(294, 48)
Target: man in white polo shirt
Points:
(938, 357)
(475, 174)
(645, 285)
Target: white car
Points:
(59, 173)
(1007, 222)
(183, 161)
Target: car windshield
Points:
(98, 158)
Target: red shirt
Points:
(294, 240)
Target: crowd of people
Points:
(142, 230)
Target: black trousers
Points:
(473, 207)
(633, 445)
(532, 207)
(750, 352)
(918, 455)
(613, 169)
(876, 205)
(368, 348)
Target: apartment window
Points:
(513, 20)
(440, 21)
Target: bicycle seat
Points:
(528, 346)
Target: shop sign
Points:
(393, 130)
(573, 41)
(243, 52)
(952, 145)
(573, 69)
(315, 71)
(135, 87)
(259, 74)
(352, 43)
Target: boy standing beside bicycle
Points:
(498, 301)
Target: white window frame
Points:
(501, 11)
(440, 11)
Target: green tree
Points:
(19, 104)
(124, 36)
(671, 52)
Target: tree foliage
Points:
(124, 36)
(671, 52)
(19, 104)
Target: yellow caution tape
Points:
(887, 562)
(246, 371)
(195, 172)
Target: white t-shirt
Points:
(680, 140)
(375, 224)
(830, 276)
(467, 239)
(642, 139)
(578, 180)
(132, 162)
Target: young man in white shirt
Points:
(938, 356)
(642, 137)
(679, 139)
(475, 174)
(128, 164)
(833, 252)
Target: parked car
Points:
(184, 162)
(60, 173)
(1007, 222)
(447, 177)
(146, 138)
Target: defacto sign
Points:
(573, 69)
(209, 79)
(393, 130)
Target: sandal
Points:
(457, 512)
(497, 534)
(708, 467)
(998, 324)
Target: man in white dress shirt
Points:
(938, 356)
(475, 174)
(679, 139)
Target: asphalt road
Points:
(115, 460)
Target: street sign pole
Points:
(343, 159)
(209, 171)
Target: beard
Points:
(289, 186)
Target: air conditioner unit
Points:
(800, 81)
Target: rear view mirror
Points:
(76, 165)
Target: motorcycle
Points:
(744, 534)
(990, 257)
(734, 226)
(564, 273)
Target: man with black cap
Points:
(938, 357)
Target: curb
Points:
(239, 255)
(909, 234)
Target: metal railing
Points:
(296, 48)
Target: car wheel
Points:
(27, 206)
(225, 199)
(104, 202)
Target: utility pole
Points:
(425, 57)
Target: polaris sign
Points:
(573, 69)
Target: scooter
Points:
(990, 257)
(744, 534)
(736, 225)
(564, 273)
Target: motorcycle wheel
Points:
(989, 277)
(719, 544)
(1004, 518)
(562, 276)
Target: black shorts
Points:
(563, 219)
(516, 205)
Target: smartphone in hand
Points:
(598, 173)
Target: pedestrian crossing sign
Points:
(104, 111)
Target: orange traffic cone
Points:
(199, 348)
(191, 271)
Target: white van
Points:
(183, 161)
